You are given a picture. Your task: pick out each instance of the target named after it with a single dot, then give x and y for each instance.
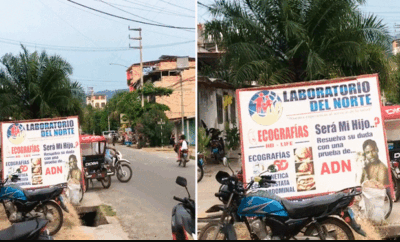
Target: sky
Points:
(387, 10)
(90, 41)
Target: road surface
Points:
(144, 205)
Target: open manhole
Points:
(92, 216)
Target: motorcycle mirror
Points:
(181, 181)
(221, 177)
(226, 164)
(225, 161)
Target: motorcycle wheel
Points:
(53, 213)
(200, 173)
(124, 176)
(332, 226)
(208, 232)
(184, 162)
(396, 188)
(106, 182)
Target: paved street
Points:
(144, 205)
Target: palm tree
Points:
(37, 86)
(283, 41)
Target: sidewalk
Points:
(111, 231)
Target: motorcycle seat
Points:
(20, 231)
(42, 194)
(313, 207)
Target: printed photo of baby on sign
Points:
(37, 171)
(304, 169)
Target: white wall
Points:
(207, 104)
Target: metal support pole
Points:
(141, 64)
(182, 109)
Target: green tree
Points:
(285, 41)
(144, 119)
(152, 130)
(34, 86)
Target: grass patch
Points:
(108, 210)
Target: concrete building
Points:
(165, 73)
(216, 103)
(97, 101)
(216, 97)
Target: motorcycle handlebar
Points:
(179, 199)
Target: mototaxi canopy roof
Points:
(91, 138)
(390, 112)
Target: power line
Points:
(110, 19)
(165, 12)
(68, 23)
(177, 6)
(158, 25)
(152, 7)
(109, 4)
(85, 49)
(130, 13)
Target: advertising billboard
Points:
(314, 138)
(46, 151)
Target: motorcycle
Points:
(118, 165)
(183, 215)
(23, 205)
(216, 143)
(94, 162)
(184, 159)
(30, 230)
(184, 155)
(268, 216)
(396, 178)
(200, 166)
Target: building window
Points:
(233, 111)
(103, 105)
(220, 109)
(97, 105)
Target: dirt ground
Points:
(70, 230)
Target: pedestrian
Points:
(114, 139)
(172, 140)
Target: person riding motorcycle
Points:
(183, 147)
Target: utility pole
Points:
(141, 57)
(182, 109)
(182, 64)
